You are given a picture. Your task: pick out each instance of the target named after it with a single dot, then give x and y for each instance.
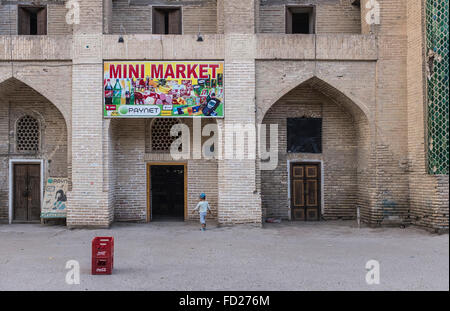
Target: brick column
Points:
(239, 201)
(88, 203)
(365, 27)
(107, 16)
(391, 204)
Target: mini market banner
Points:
(163, 89)
(55, 200)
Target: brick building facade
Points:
(366, 82)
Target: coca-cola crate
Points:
(103, 247)
(102, 255)
(102, 265)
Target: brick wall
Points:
(376, 81)
(130, 169)
(137, 19)
(17, 100)
(331, 16)
(428, 194)
(56, 19)
(339, 155)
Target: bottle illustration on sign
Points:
(132, 92)
(117, 93)
(127, 95)
(123, 84)
(108, 93)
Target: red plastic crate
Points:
(103, 247)
(102, 255)
(102, 265)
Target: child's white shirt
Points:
(202, 207)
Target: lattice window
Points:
(27, 134)
(437, 33)
(160, 131)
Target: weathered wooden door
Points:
(27, 192)
(305, 191)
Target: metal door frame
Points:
(12, 162)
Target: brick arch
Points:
(11, 86)
(361, 125)
(7, 82)
(353, 105)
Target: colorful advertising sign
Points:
(55, 200)
(163, 89)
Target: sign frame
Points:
(185, 93)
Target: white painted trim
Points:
(322, 200)
(11, 182)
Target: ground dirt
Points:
(178, 256)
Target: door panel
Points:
(42, 21)
(34, 199)
(175, 22)
(27, 192)
(20, 193)
(299, 198)
(305, 187)
(311, 192)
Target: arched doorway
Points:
(135, 146)
(323, 157)
(33, 146)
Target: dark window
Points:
(167, 21)
(304, 135)
(32, 20)
(300, 20)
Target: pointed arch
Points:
(352, 104)
(11, 83)
(345, 160)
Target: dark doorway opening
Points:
(167, 187)
(27, 193)
(300, 23)
(300, 19)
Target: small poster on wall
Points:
(55, 200)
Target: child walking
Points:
(203, 208)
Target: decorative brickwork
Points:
(437, 33)
(27, 134)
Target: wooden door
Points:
(42, 21)
(175, 22)
(27, 192)
(305, 191)
(158, 24)
(23, 21)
